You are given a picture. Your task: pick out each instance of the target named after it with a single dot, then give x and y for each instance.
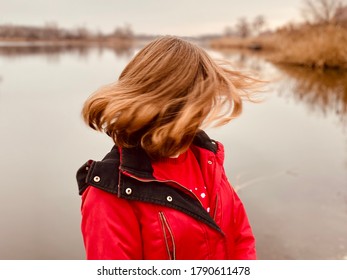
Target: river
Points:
(286, 156)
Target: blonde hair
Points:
(166, 93)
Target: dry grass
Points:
(316, 47)
(309, 46)
(264, 42)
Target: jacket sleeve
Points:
(109, 227)
(244, 238)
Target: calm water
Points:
(287, 157)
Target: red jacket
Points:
(128, 214)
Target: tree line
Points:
(51, 31)
(314, 12)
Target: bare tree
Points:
(258, 23)
(320, 11)
(340, 16)
(82, 33)
(229, 31)
(124, 32)
(243, 28)
(51, 30)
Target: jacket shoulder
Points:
(100, 174)
(202, 140)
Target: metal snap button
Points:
(209, 162)
(96, 179)
(128, 191)
(87, 167)
(169, 198)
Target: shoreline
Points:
(67, 42)
(314, 47)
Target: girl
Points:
(162, 192)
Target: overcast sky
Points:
(175, 17)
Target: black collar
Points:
(137, 162)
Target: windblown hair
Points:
(167, 92)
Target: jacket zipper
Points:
(152, 180)
(215, 208)
(166, 229)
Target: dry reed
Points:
(316, 47)
(309, 46)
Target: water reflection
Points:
(54, 51)
(323, 90)
(243, 59)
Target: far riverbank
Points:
(321, 46)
